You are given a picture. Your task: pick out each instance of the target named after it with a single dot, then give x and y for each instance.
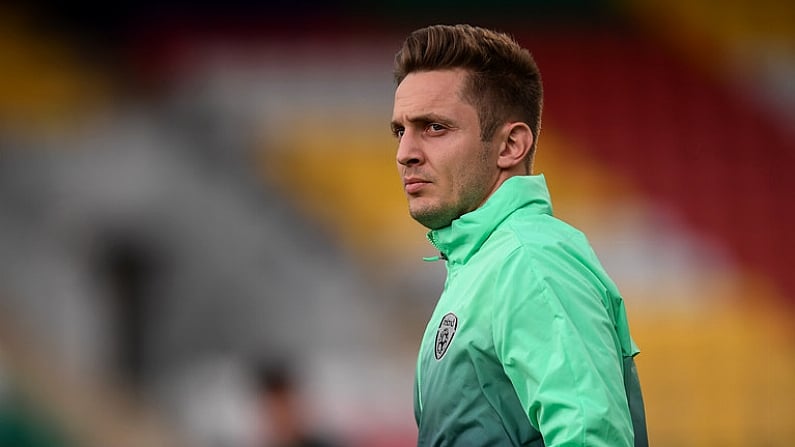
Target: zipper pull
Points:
(441, 257)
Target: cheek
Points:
(462, 169)
(477, 173)
(461, 178)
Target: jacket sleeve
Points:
(558, 346)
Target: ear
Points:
(516, 143)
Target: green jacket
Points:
(529, 343)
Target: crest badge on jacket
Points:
(444, 335)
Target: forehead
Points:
(427, 91)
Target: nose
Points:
(409, 152)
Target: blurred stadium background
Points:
(189, 193)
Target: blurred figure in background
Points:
(283, 417)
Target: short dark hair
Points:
(504, 82)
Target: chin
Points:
(431, 220)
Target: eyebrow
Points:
(425, 118)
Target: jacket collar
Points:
(465, 235)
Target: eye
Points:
(435, 128)
(398, 132)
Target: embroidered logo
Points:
(444, 335)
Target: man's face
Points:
(446, 169)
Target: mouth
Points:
(414, 185)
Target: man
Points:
(280, 409)
(529, 342)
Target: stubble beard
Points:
(469, 196)
(434, 217)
